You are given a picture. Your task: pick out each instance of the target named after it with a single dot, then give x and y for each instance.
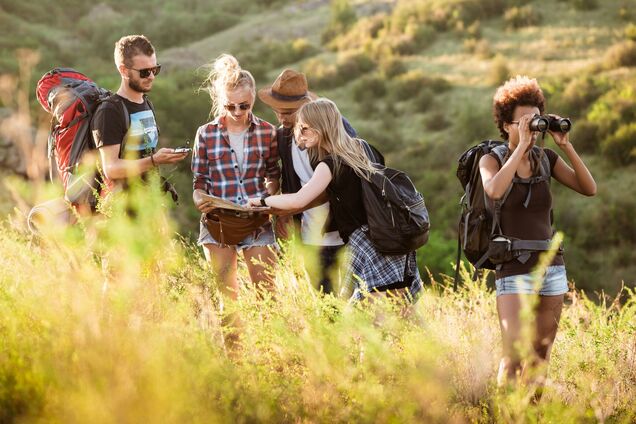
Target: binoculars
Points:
(545, 123)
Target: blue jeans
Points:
(553, 283)
(263, 236)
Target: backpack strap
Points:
(152, 108)
(117, 101)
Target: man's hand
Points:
(167, 156)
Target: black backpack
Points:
(396, 214)
(479, 230)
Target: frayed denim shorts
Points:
(553, 283)
(263, 236)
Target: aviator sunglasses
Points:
(145, 73)
(232, 107)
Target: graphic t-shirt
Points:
(139, 140)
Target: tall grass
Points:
(119, 320)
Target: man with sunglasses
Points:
(124, 126)
(288, 93)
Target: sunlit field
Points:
(119, 320)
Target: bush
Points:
(347, 68)
(436, 121)
(584, 4)
(478, 47)
(391, 67)
(621, 54)
(342, 17)
(499, 71)
(361, 34)
(578, 95)
(368, 89)
(584, 136)
(613, 109)
(352, 65)
(424, 100)
(518, 17)
(630, 32)
(620, 147)
(409, 84)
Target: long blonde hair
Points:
(323, 116)
(226, 74)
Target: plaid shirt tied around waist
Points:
(216, 171)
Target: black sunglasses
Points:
(242, 106)
(145, 73)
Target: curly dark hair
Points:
(132, 45)
(517, 91)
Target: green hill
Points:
(415, 78)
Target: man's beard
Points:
(136, 86)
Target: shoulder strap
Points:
(152, 108)
(500, 152)
(116, 100)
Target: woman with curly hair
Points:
(526, 215)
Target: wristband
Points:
(263, 201)
(153, 160)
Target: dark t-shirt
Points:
(345, 197)
(531, 223)
(139, 140)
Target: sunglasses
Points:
(242, 106)
(304, 131)
(145, 73)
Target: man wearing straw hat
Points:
(288, 93)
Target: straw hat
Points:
(288, 91)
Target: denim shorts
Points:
(553, 283)
(263, 236)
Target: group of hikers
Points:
(308, 172)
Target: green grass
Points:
(566, 44)
(121, 322)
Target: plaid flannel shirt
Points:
(214, 165)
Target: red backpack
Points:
(71, 98)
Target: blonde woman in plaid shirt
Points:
(235, 157)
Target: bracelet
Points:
(263, 201)
(153, 160)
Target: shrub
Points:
(368, 88)
(424, 100)
(391, 67)
(584, 136)
(630, 32)
(361, 34)
(584, 4)
(613, 109)
(342, 17)
(410, 83)
(578, 95)
(518, 17)
(352, 65)
(347, 68)
(499, 71)
(478, 47)
(620, 147)
(436, 121)
(621, 54)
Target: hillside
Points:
(415, 78)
